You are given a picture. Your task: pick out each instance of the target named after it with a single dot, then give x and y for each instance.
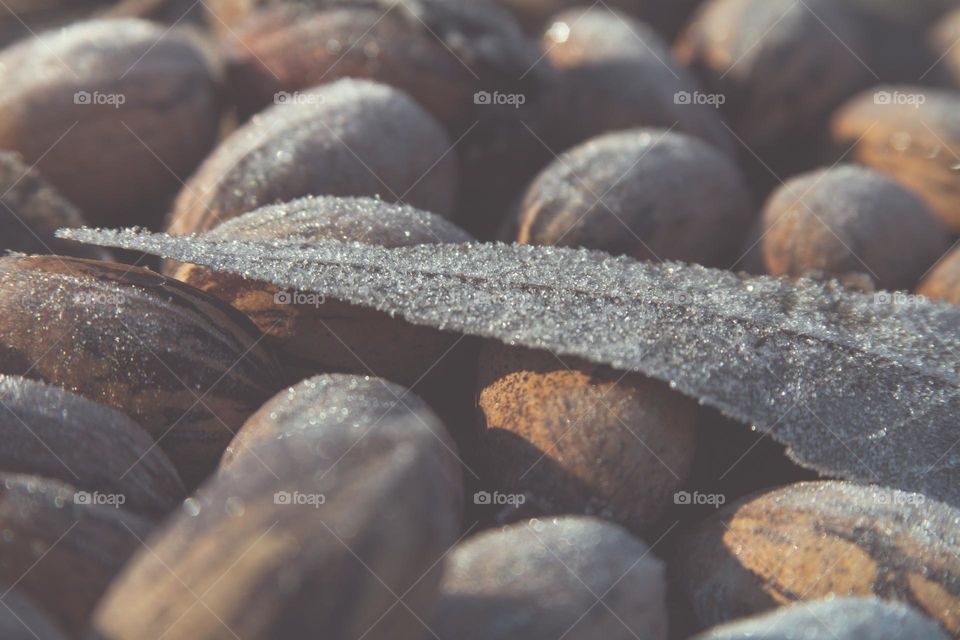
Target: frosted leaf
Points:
(857, 386)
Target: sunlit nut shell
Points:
(812, 540)
(115, 113)
(345, 502)
(911, 134)
(646, 193)
(182, 364)
(349, 138)
(851, 220)
(943, 282)
(571, 577)
(576, 437)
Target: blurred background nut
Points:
(647, 193)
(782, 66)
(341, 501)
(349, 138)
(837, 618)
(115, 113)
(847, 220)
(617, 73)
(31, 210)
(943, 281)
(49, 432)
(572, 577)
(21, 619)
(59, 548)
(912, 134)
(812, 540)
(184, 365)
(667, 16)
(575, 437)
(943, 38)
(311, 334)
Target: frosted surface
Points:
(855, 387)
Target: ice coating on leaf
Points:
(857, 386)
(840, 618)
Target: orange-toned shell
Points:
(312, 534)
(115, 113)
(581, 438)
(184, 365)
(311, 334)
(813, 540)
(912, 134)
(943, 281)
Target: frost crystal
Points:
(857, 386)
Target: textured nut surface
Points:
(184, 365)
(541, 579)
(851, 220)
(348, 138)
(31, 210)
(665, 196)
(781, 66)
(811, 540)
(60, 552)
(914, 142)
(276, 561)
(838, 618)
(317, 335)
(114, 113)
(617, 73)
(49, 432)
(583, 439)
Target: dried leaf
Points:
(857, 386)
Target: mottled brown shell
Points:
(848, 220)
(582, 438)
(319, 335)
(808, 541)
(60, 108)
(46, 431)
(917, 144)
(617, 73)
(782, 66)
(540, 580)
(943, 282)
(646, 193)
(61, 552)
(273, 560)
(31, 210)
(184, 365)
(349, 138)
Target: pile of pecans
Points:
(192, 454)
